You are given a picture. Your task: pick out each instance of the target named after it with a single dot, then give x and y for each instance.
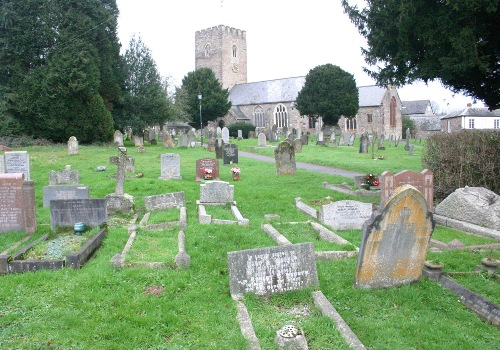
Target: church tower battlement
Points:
(224, 50)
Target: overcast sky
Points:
(284, 39)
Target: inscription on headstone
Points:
(207, 163)
(423, 181)
(165, 201)
(64, 192)
(17, 204)
(266, 271)
(345, 215)
(170, 166)
(18, 162)
(65, 213)
(230, 154)
(219, 192)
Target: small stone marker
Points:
(320, 138)
(225, 135)
(138, 141)
(240, 135)
(423, 181)
(65, 213)
(17, 204)
(64, 177)
(395, 241)
(272, 270)
(170, 166)
(165, 201)
(219, 148)
(118, 138)
(18, 162)
(345, 215)
(363, 143)
(261, 140)
(207, 163)
(183, 141)
(64, 192)
(72, 146)
(284, 156)
(230, 154)
(219, 192)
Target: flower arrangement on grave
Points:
(236, 173)
(372, 180)
(207, 174)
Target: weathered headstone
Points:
(240, 135)
(395, 241)
(65, 213)
(64, 192)
(207, 164)
(411, 150)
(304, 139)
(190, 136)
(219, 148)
(167, 141)
(363, 143)
(118, 138)
(476, 205)
(284, 156)
(152, 135)
(265, 271)
(64, 177)
(225, 135)
(320, 138)
(18, 162)
(170, 167)
(138, 141)
(165, 201)
(261, 140)
(183, 141)
(351, 140)
(230, 154)
(17, 203)
(216, 192)
(407, 139)
(346, 137)
(219, 131)
(423, 181)
(297, 144)
(345, 215)
(72, 146)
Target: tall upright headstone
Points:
(167, 141)
(284, 156)
(118, 138)
(395, 241)
(423, 181)
(190, 136)
(320, 138)
(18, 162)
(230, 154)
(297, 144)
(72, 146)
(207, 164)
(219, 148)
(261, 140)
(225, 135)
(170, 166)
(183, 141)
(17, 203)
(240, 135)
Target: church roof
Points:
(270, 91)
(371, 95)
(415, 107)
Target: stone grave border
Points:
(14, 264)
(347, 189)
(182, 259)
(204, 218)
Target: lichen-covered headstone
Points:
(395, 241)
(72, 146)
(284, 156)
(118, 138)
(219, 192)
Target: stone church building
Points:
(266, 103)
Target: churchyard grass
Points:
(101, 307)
(154, 246)
(159, 216)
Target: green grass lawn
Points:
(101, 307)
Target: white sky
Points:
(285, 38)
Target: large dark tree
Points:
(215, 102)
(455, 42)
(329, 92)
(59, 62)
(146, 99)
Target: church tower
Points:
(224, 50)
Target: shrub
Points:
(466, 158)
(244, 127)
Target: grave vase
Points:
(236, 176)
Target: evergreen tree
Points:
(328, 92)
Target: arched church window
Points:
(207, 50)
(234, 51)
(280, 116)
(392, 112)
(260, 117)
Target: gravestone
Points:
(72, 146)
(345, 215)
(225, 135)
(17, 162)
(381, 143)
(190, 136)
(118, 138)
(251, 134)
(17, 203)
(284, 130)
(138, 141)
(167, 141)
(351, 140)
(320, 138)
(423, 181)
(129, 163)
(120, 201)
(64, 192)
(207, 163)
(273, 134)
(230, 154)
(65, 213)
(334, 139)
(216, 192)
(219, 148)
(304, 139)
(363, 143)
(272, 270)
(476, 205)
(211, 144)
(395, 241)
(170, 167)
(390, 140)
(240, 135)
(2, 164)
(407, 139)
(151, 135)
(219, 131)
(411, 150)
(165, 201)
(284, 156)
(297, 144)
(183, 141)
(261, 140)
(346, 137)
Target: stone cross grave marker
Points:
(261, 140)
(72, 146)
(118, 138)
(345, 215)
(272, 270)
(284, 156)
(423, 181)
(170, 166)
(18, 162)
(395, 241)
(207, 163)
(65, 213)
(17, 203)
(121, 162)
(225, 135)
(216, 192)
(230, 154)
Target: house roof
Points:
(287, 90)
(472, 112)
(414, 107)
(428, 123)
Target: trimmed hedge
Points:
(467, 158)
(244, 127)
